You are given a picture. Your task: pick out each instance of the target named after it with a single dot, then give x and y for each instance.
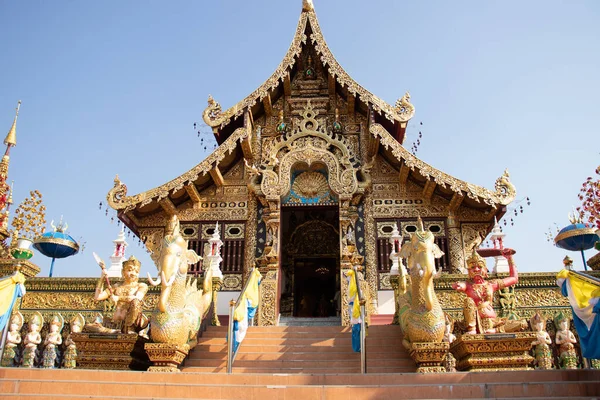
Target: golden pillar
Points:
(217, 284)
(455, 245)
(268, 264)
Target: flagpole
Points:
(4, 336)
(9, 312)
(584, 263)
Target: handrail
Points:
(585, 276)
(363, 333)
(232, 306)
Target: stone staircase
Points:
(301, 350)
(293, 362)
(38, 384)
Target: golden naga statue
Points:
(421, 316)
(181, 306)
(478, 311)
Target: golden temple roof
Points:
(403, 111)
(236, 145)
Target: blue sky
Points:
(115, 87)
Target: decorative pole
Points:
(5, 190)
(397, 271)
(118, 256)
(212, 260)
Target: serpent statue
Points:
(181, 306)
(421, 316)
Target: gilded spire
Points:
(9, 201)
(307, 5)
(11, 137)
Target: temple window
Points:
(406, 226)
(232, 235)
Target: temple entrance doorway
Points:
(310, 260)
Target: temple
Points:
(316, 220)
(307, 157)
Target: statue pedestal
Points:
(110, 351)
(429, 356)
(494, 352)
(166, 357)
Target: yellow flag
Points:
(582, 290)
(7, 290)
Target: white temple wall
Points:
(385, 302)
(223, 301)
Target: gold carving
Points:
(429, 356)
(504, 192)
(251, 227)
(59, 301)
(232, 282)
(550, 297)
(370, 252)
(267, 315)
(166, 357)
(117, 197)
(311, 184)
(494, 352)
(471, 234)
(404, 107)
(108, 351)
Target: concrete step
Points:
(395, 336)
(301, 350)
(377, 328)
(344, 341)
(294, 355)
(287, 364)
(78, 384)
(247, 348)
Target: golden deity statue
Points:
(127, 297)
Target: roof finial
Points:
(11, 137)
(307, 6)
